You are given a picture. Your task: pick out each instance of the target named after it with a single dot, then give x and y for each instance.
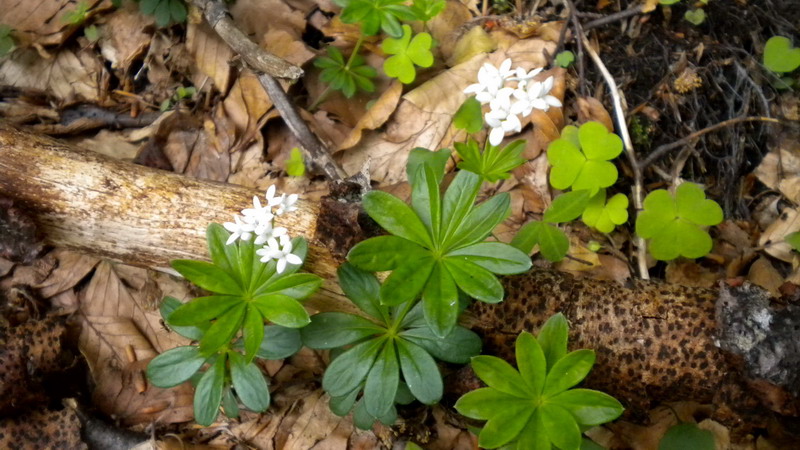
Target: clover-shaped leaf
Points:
(580, 158)
(604, 216)
(780, 56)
(674, 224)
(343, 76)
(426, 10)
(534, 407)
(377, 15)
(407, 52)
(553, 243)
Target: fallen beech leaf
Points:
(41, 22)
(445, 30)
(69, 76)
(772, 238)
(126, 35)
(210, 53)
(764, 274)
(72, 268)
(376, 115)
(120, 331)
(590, 109)
(246, 103)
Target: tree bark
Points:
(655, 342)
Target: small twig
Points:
(666, 148)
(316, 155)
(577, 24)
(268, 67)
(611, 18)
(217, 16)
(622, 126)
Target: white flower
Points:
(287, 204)
(239, 230)
(500, 118)
(271, 199)
(490, 81)
(522, 76)
(267, 232)
(281, 252)
(534, 95)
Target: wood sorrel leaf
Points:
(407, 52)
(553, 243)
(606, 216)
(249, 382)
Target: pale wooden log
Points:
(134, 214)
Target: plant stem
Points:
(326, 93)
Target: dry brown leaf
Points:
(773, 237)
(126, 34)
(67, 75)
(210, 53)
(288, 46)
(446, 30)
(72, 268)
(764, 274)
(42, 22)
(474, 42)
(115, 144)
(120, 331)
(689, 273)
(376, 115)
(590, 109)
(258, 17)
(246, 103)
(211, 154)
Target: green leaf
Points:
(174, 366)
(695, 16)
(407, 281)
(203, 309)
(584, 164)
(440, 301)
(505, 424)
(282, 310)
(279, 342)
(568, 371)
(375, 15)
(363, 289)
(249, 382)
(168, 306)
(588, 407)
(7, 45)
(407, 53)
(177, 11)
(495, 163)
(565, 59)
(561, 427)
(436, 160)
(793, 239)
(226, 257)
(458, 202)
(606, 216)
(474, 280)
(344, 78)
(208, 394)
(534, 435)
(252, 331)
(674, 225)
(348, 371)
(148, 7)
(687, 435)
(567, 207)
(469, 116)
(457, 347)
(295, 165)
(296, 285)
(531, 362)
(230, 406)
(382, 381)
(163, 16)
(553, 338)
(499, 374)
(553, 243)
(222, 331)
(341, 406)
(780, 56)
(396, 217)
(495, 257)
(336, 329)
(208, 276)
(481, 221)
(425, 200)
(425, 10)
(420, 372)
(384, 253)
(483, 403)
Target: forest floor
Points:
(79, 330)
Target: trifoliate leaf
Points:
(793, 239)
(605, 216)
(580, 158)
(565, 58)
(407, 53)
(675, 224)
(553, 243)
(426, 10)
(695, 17)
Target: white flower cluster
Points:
(503, 115)
(258, 221)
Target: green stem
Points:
(327, 92)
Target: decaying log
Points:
(654, 342)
